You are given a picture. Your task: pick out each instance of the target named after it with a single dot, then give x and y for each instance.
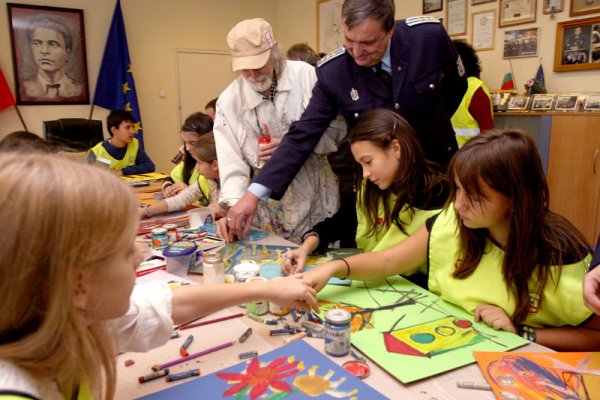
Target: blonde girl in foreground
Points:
(497, 251)
(67, 271)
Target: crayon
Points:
(182, 375)
(271, 322)
(294, 338)
(255, 317)
(175, 335)
(245, 335)
(185, 345)
(248, 354)
(276, 332)
(153, 375)
(473, 385)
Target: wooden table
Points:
(443, 386)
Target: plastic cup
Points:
(200, 216)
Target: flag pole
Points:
(91, 111)
(21, 117)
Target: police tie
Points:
(385, 77)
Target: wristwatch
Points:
(527, 332)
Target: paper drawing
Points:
(294, 371)
(410, 332)
(536, 376)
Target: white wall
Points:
(156, 28)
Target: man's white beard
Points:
(261, 86)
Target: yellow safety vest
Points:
(561, 304)
(104, 158)
(177, 176)
(465, 126)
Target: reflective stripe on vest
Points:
(465, 126)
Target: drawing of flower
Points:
(258, 378)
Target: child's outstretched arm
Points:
(398, 259)
(194, 301)
(591, 289)
(294, 260)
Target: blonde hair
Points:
(59, 217)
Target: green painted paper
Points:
(433, 336)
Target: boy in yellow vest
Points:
(122, 152)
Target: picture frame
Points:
(584, 7)
(592, 103)
(542, 102)
(577, 46)
(49, 56)
(566, 102)
(516, 12)
(456, 16)
(518, 103)
(483, 25)
(430, 6)
(553, 6)
(478, 2)
(521, 43)
(329, 25)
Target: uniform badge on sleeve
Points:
(354, 94)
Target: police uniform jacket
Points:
(428, 85)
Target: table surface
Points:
(442, 386)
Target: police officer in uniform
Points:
(409, 66)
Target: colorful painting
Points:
(270, 257)
(410, 332)
(539, 376)
(294, 371)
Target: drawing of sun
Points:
(314, 385)
(258, 378)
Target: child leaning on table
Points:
(497, 250)
(205, 154)
(67, 271)
(185, 173)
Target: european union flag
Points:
(540, 75)
(115, 87)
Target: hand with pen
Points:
(293, 261)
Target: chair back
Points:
(73, 134)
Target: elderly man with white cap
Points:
(252, 115)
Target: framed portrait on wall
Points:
(583, 7)
(478, 2)
(577, 45)
(521, 43)
(49, 58)
(515, 12)
(329, 25)
(430, 6)
(553, 6)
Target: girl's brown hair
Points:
(417, 182)
(508, 161)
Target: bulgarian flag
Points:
(507, 82)
(6, 97)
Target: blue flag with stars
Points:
(115, 88)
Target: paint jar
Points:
(159, 238)
(276, 309)
(180, 256)
(244, 271)
(172, 232)
(213, 268)
(257, 307)
(337, 332)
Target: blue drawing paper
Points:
(288, 372)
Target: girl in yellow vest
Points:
(185, 172)
(400, 189)
(497, 250)
(204, 154)
(67, 273)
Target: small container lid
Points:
(158, 231)
(180, 249)
(357, 368)
(170, 226)
(338, 316)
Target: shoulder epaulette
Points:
(330, 56)
(422, 19)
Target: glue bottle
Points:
(214, 268)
